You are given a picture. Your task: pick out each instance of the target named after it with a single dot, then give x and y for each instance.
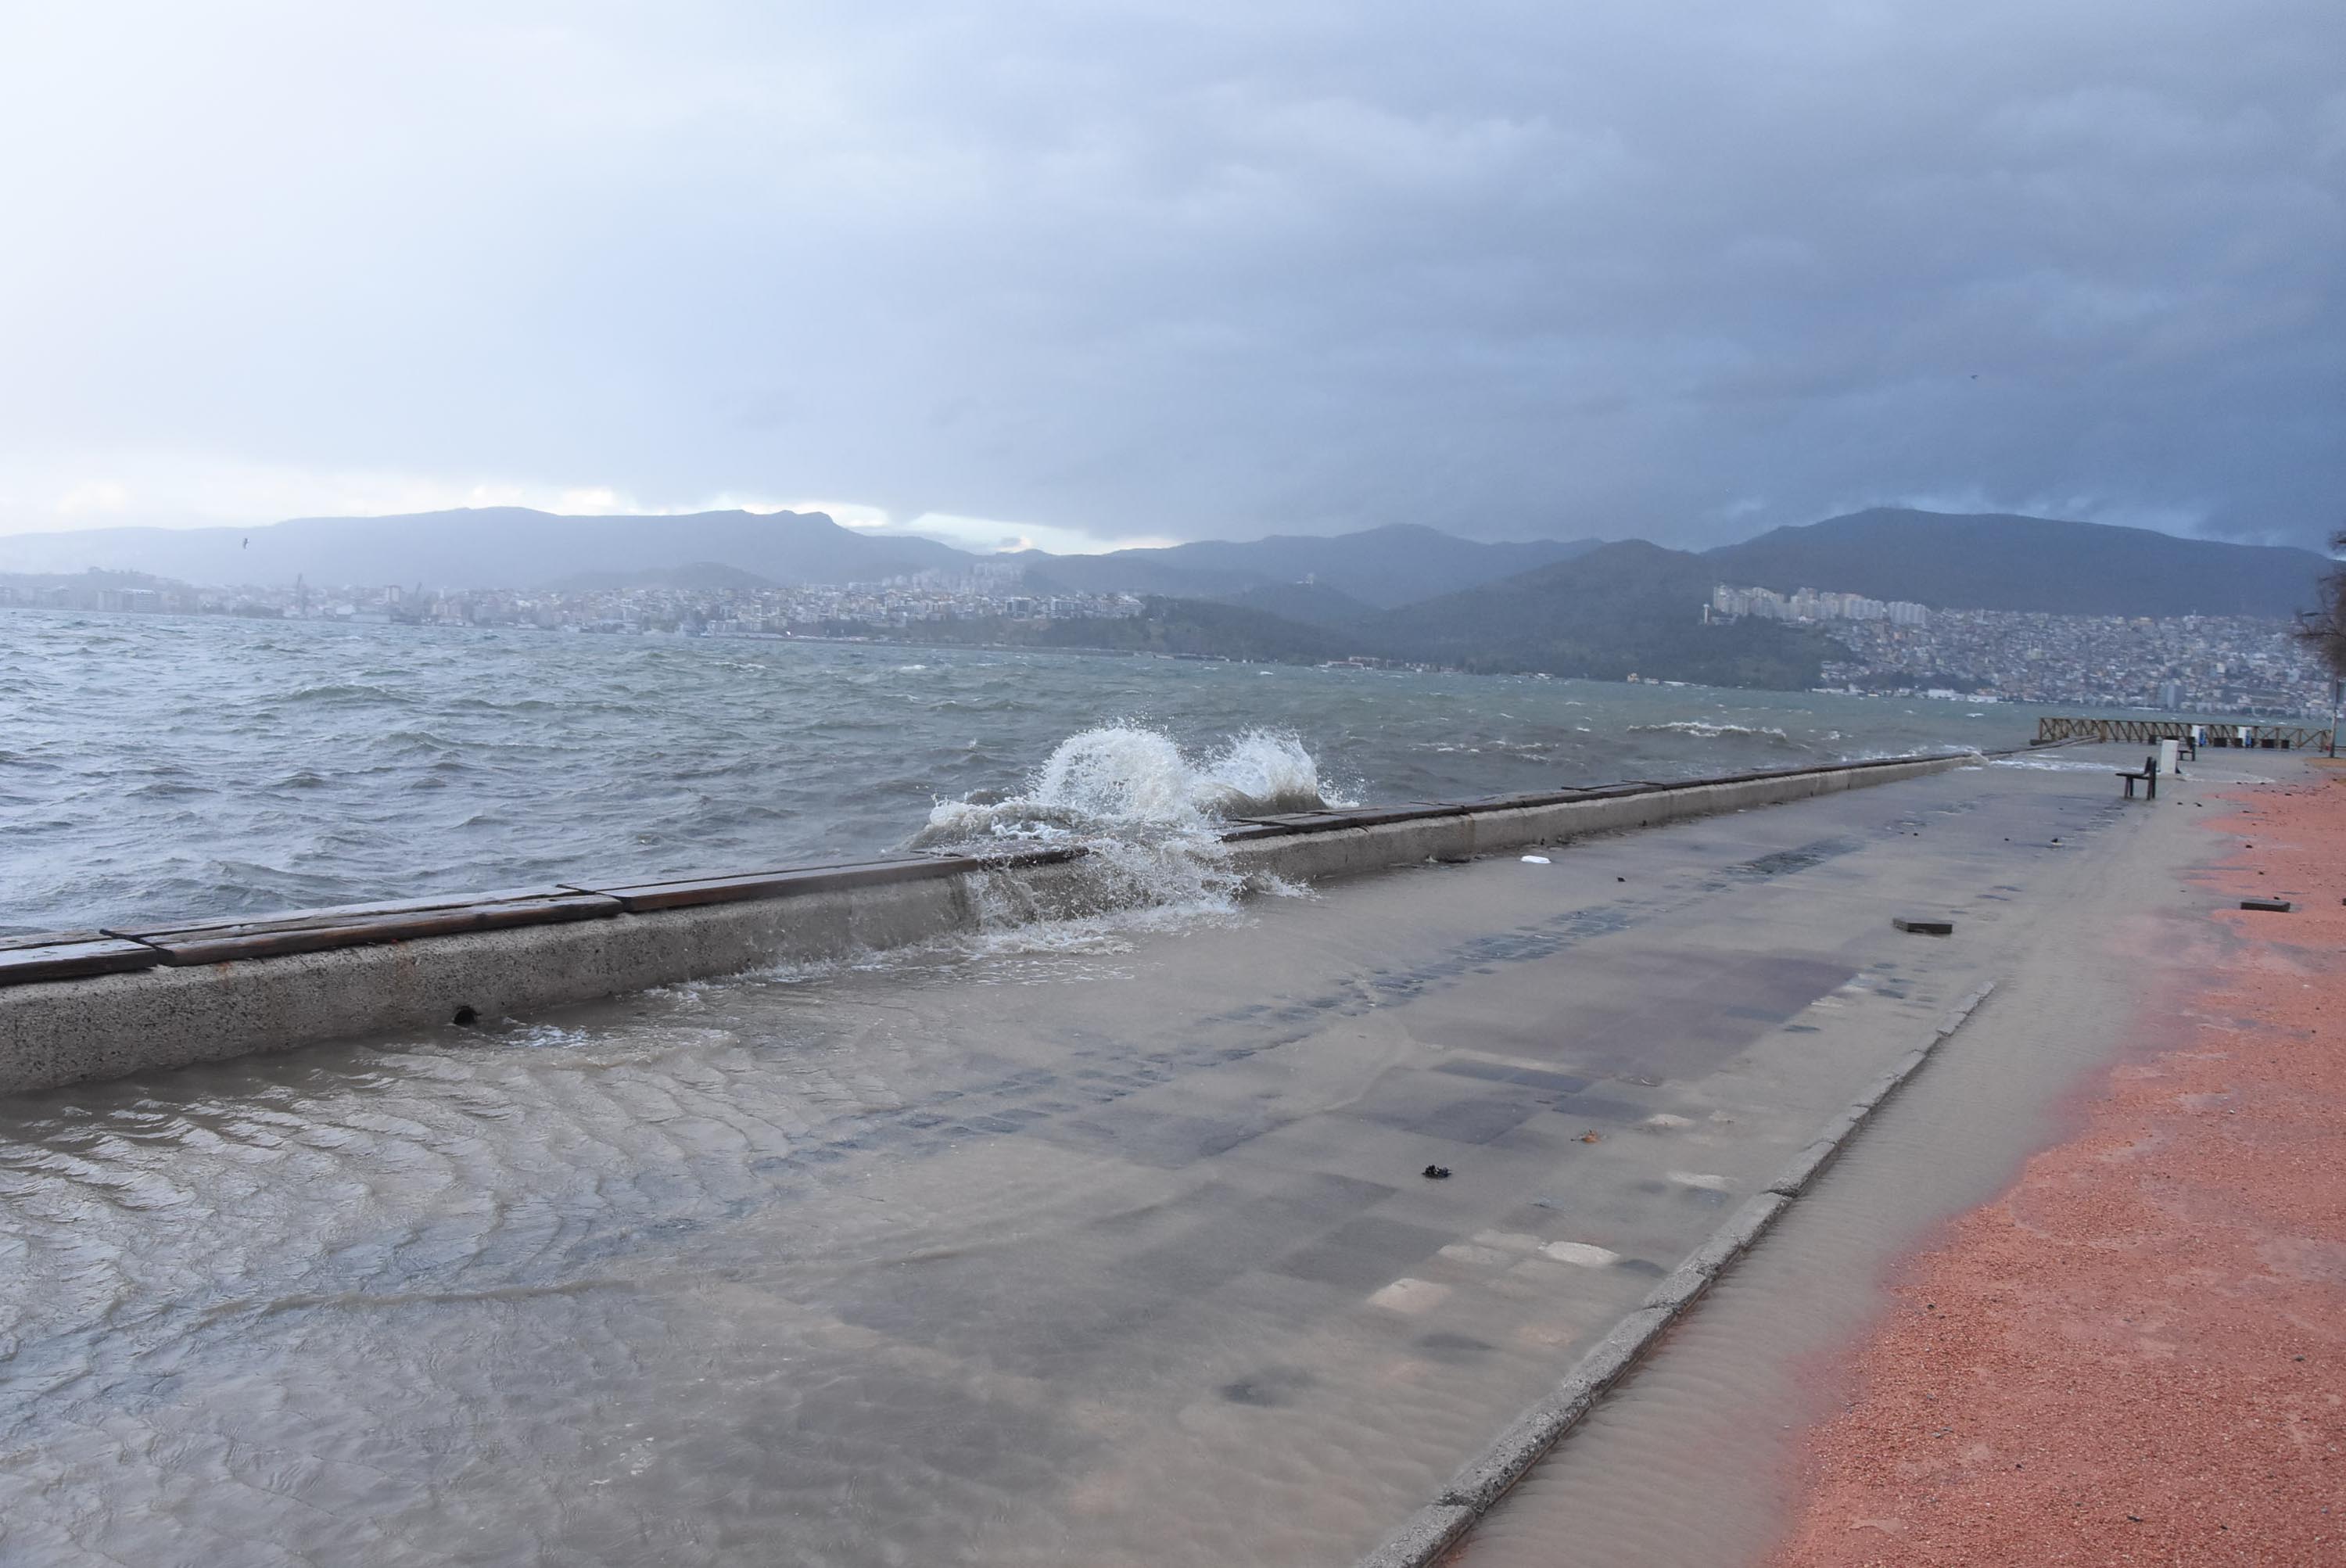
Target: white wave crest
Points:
(1148, 817)
(1123, 781)
(1703, 729)
(2051, 764)
(2111, 765)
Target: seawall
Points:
(80, 1005)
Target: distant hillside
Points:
(488, 547)
(1165, 625)
(700, 575)
(1309, 603)
(1113, 573)
(517, 547)
(94, 579)
(1996, 562)
(1406, 591)
(1381, 567)
(1621, 609)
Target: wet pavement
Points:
(1698, 1459)
(1048, 1250)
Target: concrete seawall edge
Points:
(55, 1032)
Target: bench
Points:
(2147, 777)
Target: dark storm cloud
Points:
(1511, 268)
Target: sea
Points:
(158, 770)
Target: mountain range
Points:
(1616, 610)
(1379, 568)
(1612, 612)
(1966, 561)
(1405, 591)
(1993, 561)
(515, 547)
(488, 547)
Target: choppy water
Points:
(159, 768)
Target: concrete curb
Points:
(1427, 1534)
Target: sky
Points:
(1083, 275)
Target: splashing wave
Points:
(1123, 781)
(1149, 816)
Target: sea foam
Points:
(1149, 816)
(1126, 781)
(1710, 729)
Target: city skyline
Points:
(2207, 664)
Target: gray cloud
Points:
(1200, 270)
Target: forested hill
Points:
(1948, 561)
(1380, 567)
(1622, 609)
(1999, 562)
(515, 547)
(1192, 627)
(490, 547)
(1405, 592)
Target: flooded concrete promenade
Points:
(1023, 1250)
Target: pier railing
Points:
(2265, 737)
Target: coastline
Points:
(1153, 1211)
(76, 1005)
(2131, 1354)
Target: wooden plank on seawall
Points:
(361, 925)
(68, 955)
(793, 881)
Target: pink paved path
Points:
(2137, 1354)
